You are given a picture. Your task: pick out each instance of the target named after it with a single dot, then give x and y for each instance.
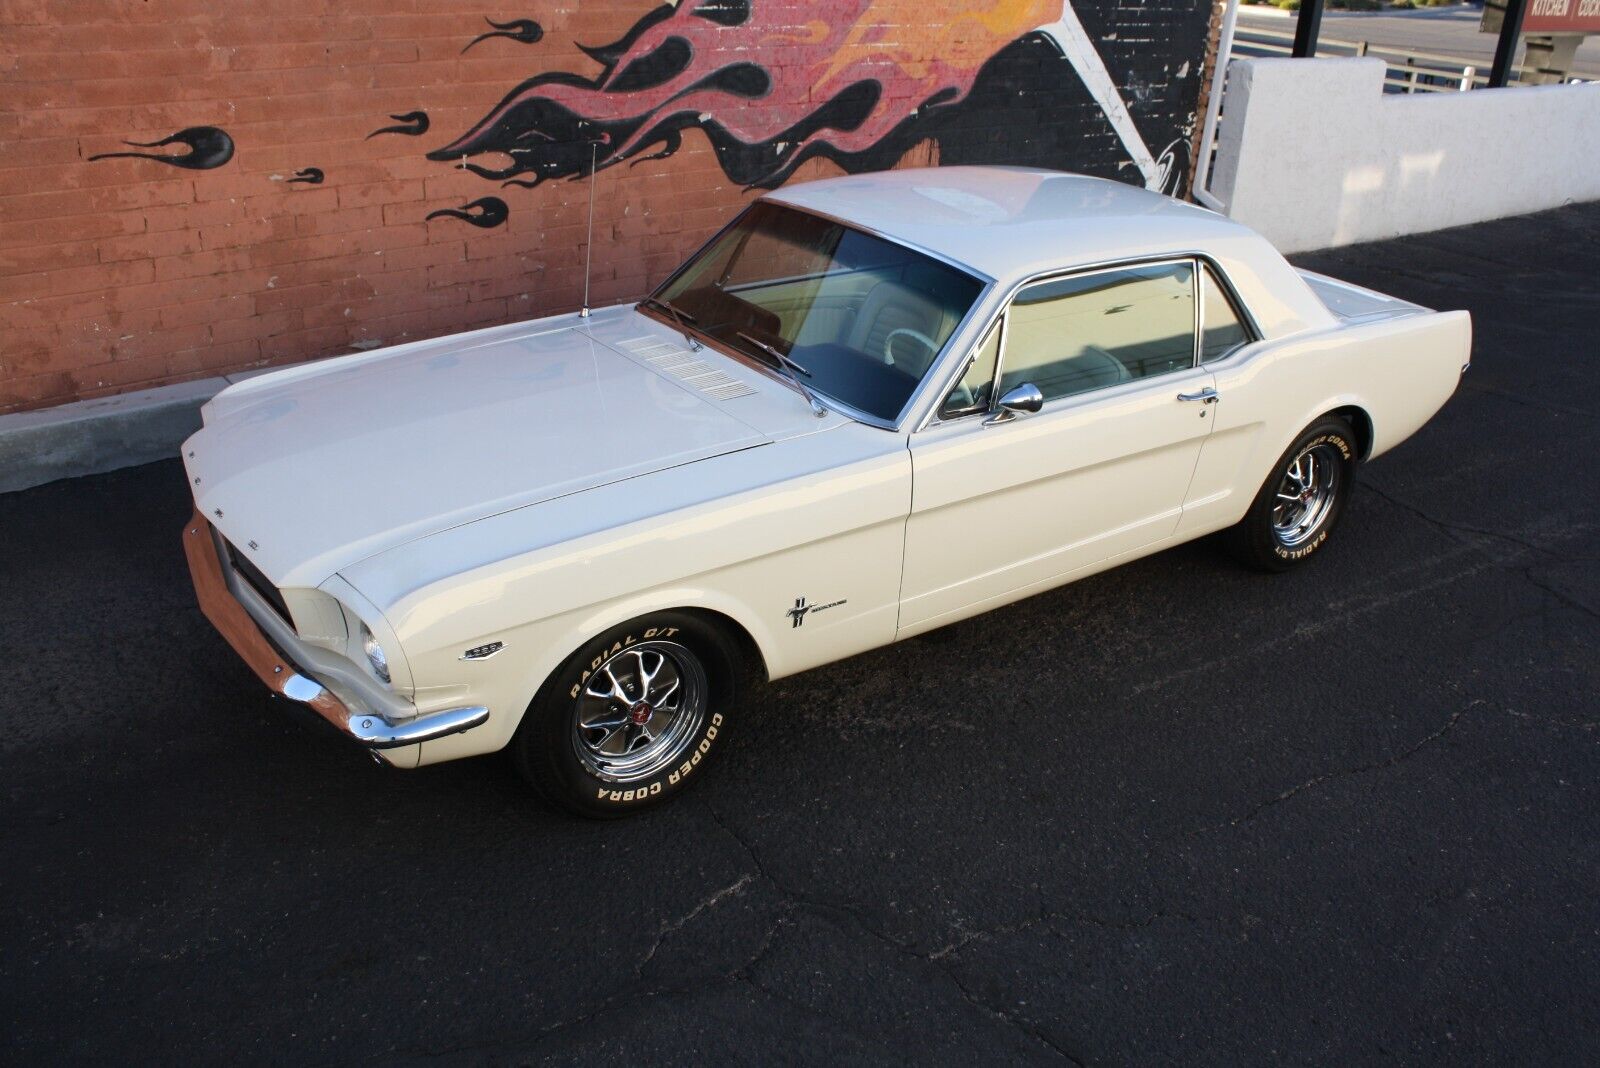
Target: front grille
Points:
(258, 582)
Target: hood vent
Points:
(681, 364)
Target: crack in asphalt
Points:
(1556, 721)
(633, 995)
(1049, 918)
(983, 935)
(843, 915)
(1020, 1026)
(732, 889)
(833, 912)
(1451, 526)
(1344, 773)
(1560, 595)
(1455, 526)
(745, 971)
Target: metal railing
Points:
(1409, 70)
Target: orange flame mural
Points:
(771, 83)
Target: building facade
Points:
(191, 188)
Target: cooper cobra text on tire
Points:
(1301, 500)
(632, 717)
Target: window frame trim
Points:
(1230, 297)
(1194, 328)
(1002, 314)
(1000, 324)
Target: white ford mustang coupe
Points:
(869, 407)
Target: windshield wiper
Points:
(682, 318)
(791, 370)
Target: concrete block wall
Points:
(1313, 153)
(317, 176)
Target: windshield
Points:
(860, 319)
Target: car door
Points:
(1003, 504)
(1230, 469)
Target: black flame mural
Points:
(772, 83)
(523, 31)
(1109, 89)
(208, 149)
(410, 123)
(483, 212)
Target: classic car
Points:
(869, 407)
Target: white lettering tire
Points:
(632, 717)
(1301, 500)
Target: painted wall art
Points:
(485, 212)
(773, 83)
(244, 186)
(523, 31)
(408, 123)
(208, 148)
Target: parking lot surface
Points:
(1178, 811)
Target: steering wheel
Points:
(927, 342)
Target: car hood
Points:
(311, 469)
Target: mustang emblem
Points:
(800, 610)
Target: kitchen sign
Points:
(1547, 16)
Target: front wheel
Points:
(631, 718)
(1301, 500)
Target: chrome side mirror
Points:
(1018, 400)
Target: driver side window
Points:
(971, 394)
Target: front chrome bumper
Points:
(282, 677)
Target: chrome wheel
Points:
(1306, 495)
(639, 710)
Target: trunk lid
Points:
(1357, 304)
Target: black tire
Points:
(1273, 540)
(559, 749)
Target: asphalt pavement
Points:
(1178, 812)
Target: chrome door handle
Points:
(1205, 396)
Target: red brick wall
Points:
(118, 274)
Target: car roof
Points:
(1010, 221)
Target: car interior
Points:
(866, 335)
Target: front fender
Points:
(832, 538)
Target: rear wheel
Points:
(1301, 501)
(631, 718)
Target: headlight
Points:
(374, 651)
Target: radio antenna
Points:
(588, 242)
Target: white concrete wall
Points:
(1312, 152)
